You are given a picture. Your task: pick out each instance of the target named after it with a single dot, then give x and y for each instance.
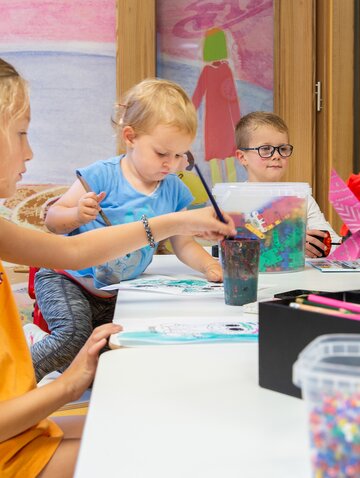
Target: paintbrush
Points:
(88, 190)
(207, 189)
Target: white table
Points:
(195, 410)
(134, 304)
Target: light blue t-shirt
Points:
(123, 204)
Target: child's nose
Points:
(166, 164)
(276, 155)
(28, 153)
(169, 160)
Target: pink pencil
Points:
(334, 302)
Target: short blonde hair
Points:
(154, 102)
(14, 96)
(252, 121)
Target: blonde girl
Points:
(30, 444)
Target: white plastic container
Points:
(328, 372)
(275, 213)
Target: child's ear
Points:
(128, 136)
(241, 157)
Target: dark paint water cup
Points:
(240, 264)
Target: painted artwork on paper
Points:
(221, 53)
(188, 286)
(182, 330)
(66, 51)
(179, 333)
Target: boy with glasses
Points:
(262, 142)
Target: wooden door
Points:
(314, 43)
(294, 77)
(136, 43)
(335, 121)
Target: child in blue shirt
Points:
(156, 123)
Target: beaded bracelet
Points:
(150, 237)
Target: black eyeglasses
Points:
(266, 151)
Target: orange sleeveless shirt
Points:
(27, 453)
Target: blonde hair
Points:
(154, 102)
(252, 121)
(14, 96)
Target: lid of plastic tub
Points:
(330, 357)
(268, 188)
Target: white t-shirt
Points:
(316, 219)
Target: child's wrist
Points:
(176, 223)
(68, 388)
(213, 264)
(148, 231)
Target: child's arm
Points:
(75, 208)
(194, 255)
(30, 247)
(21, 413)
(316, 223)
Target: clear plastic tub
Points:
(275, 213)
(328, 372)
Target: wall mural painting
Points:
(66, 50)
(221, 52)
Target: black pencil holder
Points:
(284, 332)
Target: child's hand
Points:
(88, 207)
(213, 272)
(204, 223)
(311, 241)
(81, 372)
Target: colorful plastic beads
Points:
(335, 436)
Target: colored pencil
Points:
(321, 310)
(300, 300)
(334, 302)
(88, 190)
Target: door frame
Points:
(323, 140)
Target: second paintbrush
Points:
(88, 190)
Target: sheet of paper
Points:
(345, 202)
(349, 250)
(327, 265)
(184, 330)
(179, 285)
(348, 207)
(185, 286)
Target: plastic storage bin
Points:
(275, 213)
(328, 372)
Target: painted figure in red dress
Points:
(216, 86)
